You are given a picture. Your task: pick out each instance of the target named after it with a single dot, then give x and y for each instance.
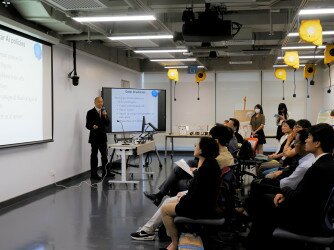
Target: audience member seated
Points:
(276, 159)
(232, 145)
(289, 154)
(179, 180)
(234, 124)
(222, 135)
(200, 201)
(288, 150)
(299, 210)
(274, 185)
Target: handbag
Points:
(190, 241)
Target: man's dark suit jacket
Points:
(303, 209)
(96, 135)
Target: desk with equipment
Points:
(132, 149)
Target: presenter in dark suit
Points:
(96, 122)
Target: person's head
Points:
(234, 124)
(207, 148)
(258, 109)
(300, 142)
(288, 125)
(98, 101)
(300, 124)
(224, 123)
(282, 109)
(332, 113)
(222, 134)
(320, 139)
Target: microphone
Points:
(103, 111)
(124, 140)
(152, 126)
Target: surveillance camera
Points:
(311, 82)
(329, 91)
(294, 95)
(75, 80)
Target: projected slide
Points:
(130, 105)
(25, 90)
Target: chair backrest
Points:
(253, 141)
(329, 212)
(226, 194)
(246, 151)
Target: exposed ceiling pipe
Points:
(271, 32)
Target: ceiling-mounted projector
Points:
(209, 27)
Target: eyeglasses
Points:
(297, 126)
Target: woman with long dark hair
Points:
(257, 122)
(282, 115)
(200, 201)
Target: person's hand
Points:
(192, 169)
(292, 135)
(272, 156)
(281, 117)
(180, 194)
(253, 133)
(279, 198)
(277, 173)
(95, 127)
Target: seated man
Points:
(234, 124)
(274, 186)
(222, 135)
(299, 210)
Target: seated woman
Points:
(200, 201)
(275, 158)
(289, 153)
(179, 180)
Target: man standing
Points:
(96, 121)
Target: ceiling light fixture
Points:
(161, 51)
(114, 18)
(302, 47)
(183, 67)
(240, 62)
(305, 57)
(316, 11)
(174, 60)
(150, 37)
(284, 65)
(324, 33)
(176, 67)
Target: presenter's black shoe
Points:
(95, 178)
(156, 198)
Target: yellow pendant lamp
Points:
(200, 76)
(291, 58)
(280, 73)
(173, 75)
(311, 31)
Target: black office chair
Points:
(327, 241)
(208, 228)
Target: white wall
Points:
(28, 168)
(220, 98)
(328, 98)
